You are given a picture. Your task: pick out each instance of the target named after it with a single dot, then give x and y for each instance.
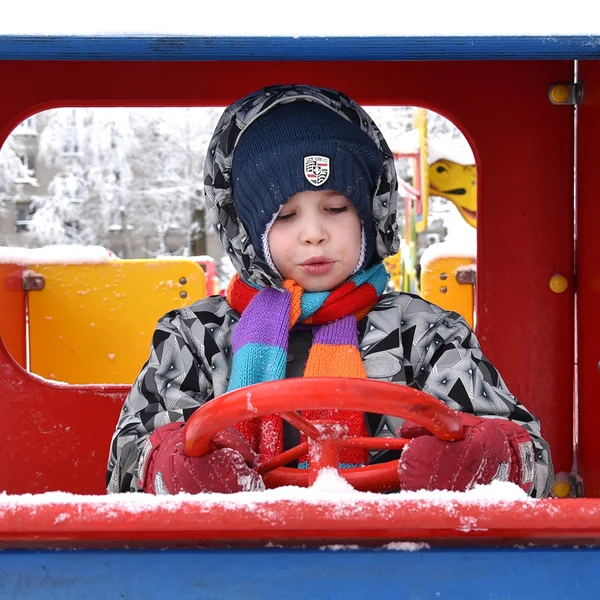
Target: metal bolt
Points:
(182, 280)
(558, 283)
(32, 282)
(566, 93)
(443, 289)
(466, 275)
(183, 294)
(443, 275)
(558, 93)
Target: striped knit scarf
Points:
(260, 344)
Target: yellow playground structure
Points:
(80, 322)
(444, 168)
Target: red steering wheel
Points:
(285, 397)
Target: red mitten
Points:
(168, 470)
(492, 449)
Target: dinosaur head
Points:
(457, 183)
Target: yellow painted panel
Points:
(439, 285)
(93, 323)
(393, 265)
(457, 183)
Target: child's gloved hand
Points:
(227, 469)
(492, 449)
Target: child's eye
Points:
(336, 210)
(284, 218)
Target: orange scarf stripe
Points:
(296, 306)
(334, 360)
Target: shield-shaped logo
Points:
(316, 169)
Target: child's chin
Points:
(324, 285)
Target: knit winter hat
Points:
(303, 146)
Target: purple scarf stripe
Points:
(265, 320)
(343, 331)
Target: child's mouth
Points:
(318, 265)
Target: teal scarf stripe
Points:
(257, 363)
(377, 276)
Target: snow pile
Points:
(58, 254)
(331, 496)
(330, 489)
(398, 546)
(456, 248)
(454, 150)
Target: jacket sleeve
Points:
(174, 382)
(448, 364)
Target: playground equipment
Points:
(444, 168)
(55, 437)
(89, 322)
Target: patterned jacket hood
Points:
(219, 160)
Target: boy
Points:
(301, 187)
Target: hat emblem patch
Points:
(316, 169)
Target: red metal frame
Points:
(12, 311)
(588, 277)
(524, 150)
(57, 437)
(180, 522)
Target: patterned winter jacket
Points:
(404, 339)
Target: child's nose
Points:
(313, 233)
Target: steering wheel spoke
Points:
(284, 458)
(301, 423)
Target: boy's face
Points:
(316, 240)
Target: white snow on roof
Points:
(276, 18)
(58, 254)
(456, 248)
(455, 150)
(196, 258)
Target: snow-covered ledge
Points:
(331, 512)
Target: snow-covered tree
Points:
(172, 167)
(11, 169)
(128, 177)
(122, 171)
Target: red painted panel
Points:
(525, 236)
(53, 436)
(588, 269)
(12, 311)
(524, 148)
